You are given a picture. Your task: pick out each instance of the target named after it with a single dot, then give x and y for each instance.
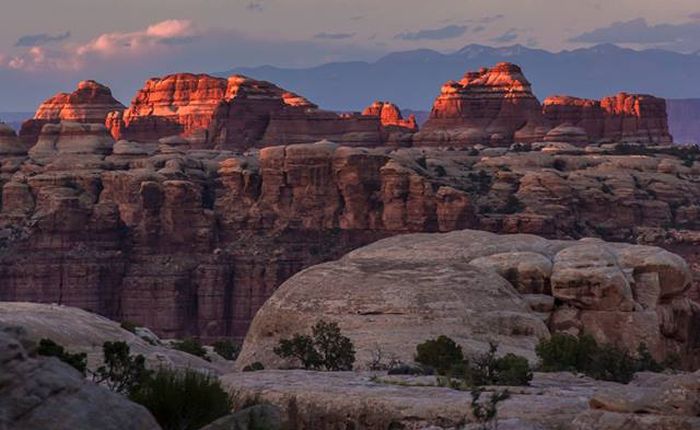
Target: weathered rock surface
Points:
(81, 331)
(205, 236)
(91, 102)
(624, 117)
(42, 393)
(234, 113)
(491, 107)
(401, 291)
(553, 401)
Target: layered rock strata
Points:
(235, 113)
(206, 236)
(91, 102)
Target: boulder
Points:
(474, 287)
(41, 393)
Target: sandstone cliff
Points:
(620, 118)
(235, 113)
(492, 106)
(91, 102)
(206, 236)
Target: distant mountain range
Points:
(412, 79)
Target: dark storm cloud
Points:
(41, 39)
(449, 32)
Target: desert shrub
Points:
(442, 354)
(326, 348)
(486, 413)
(227, 349)
(488, 369)
(563, 352)
(49, 348)
(610, 363)
(121, 371)
(254, 367)
(129, 326)
(301, 348)
(191, 346)
(182, 400)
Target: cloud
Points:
(41, 39)
(255, 6)
(507, 37)
(334, 36)
(638, 31)
(695, 16)
(478, 29)
(490, 19)
(449, 32)
(170, 32)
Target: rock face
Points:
(552, 401)
(234, 113)
(491, 107)
(91, 102)
(46, 393)
(205, 236)
(477, 287)
(622, 118)
(390, 116)
(81, 331)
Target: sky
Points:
(49, 45)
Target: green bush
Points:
(254, 367)
(447, 358)
(487, 369)
(121, 371)
(183, 400)
(442, 354)
(563, 352)
(49, 348)
(227, 349)
(191, 346)
(326, 348)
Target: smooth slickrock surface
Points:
(401, 291)
(81, 331)
(39, 393)
(553, 401)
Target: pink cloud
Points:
(140, 41)
(119, 45)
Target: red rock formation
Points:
(91, 102)
(493, 106)
(620, 118)
(234, 113)
(390, 116)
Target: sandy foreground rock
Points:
(44, 393)
(81, 331)
(478, 287)
(322, 400)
